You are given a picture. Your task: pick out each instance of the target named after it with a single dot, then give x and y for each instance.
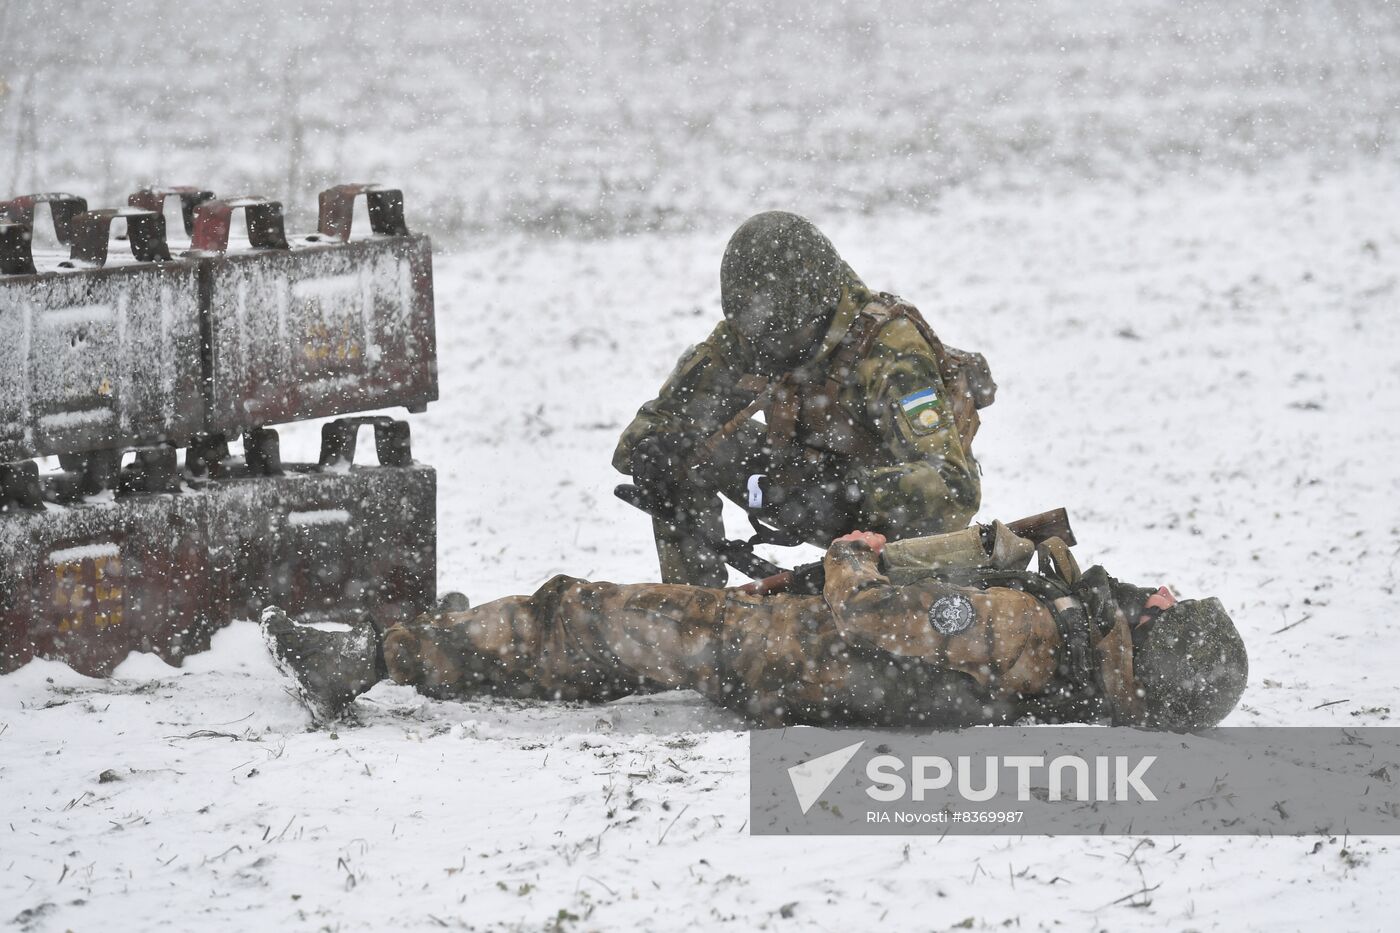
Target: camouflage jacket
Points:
(892, 436)
(928, 653)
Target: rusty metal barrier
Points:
(151, 571)
(97, 351)
(318, 325)
(190, 197)
(113, 354)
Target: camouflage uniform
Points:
(875, 432)
(866, 651)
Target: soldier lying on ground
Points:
(975, 642)
(869, 418)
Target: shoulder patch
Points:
(922, 410)
(951, 614)
(914, 401)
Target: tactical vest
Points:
(805, 408)
(1057, 587)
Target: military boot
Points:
(330, 663)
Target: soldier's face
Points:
(764, 331)
(1158, 603)
(781, 302)
(780, 327)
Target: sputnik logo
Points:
(811, 778)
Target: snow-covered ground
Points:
(1204, 373)
(1172, 230)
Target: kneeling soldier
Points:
(975, 644)
(868, 416)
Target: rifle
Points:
(1044, 526)
(808, 579)
(737, 554)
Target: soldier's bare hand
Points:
(872, 539)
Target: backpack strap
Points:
(860, 337)
(1055, 559)
(783, 412)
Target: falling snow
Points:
(1171, 228)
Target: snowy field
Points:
(595, 117)
(1195, 338)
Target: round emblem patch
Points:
(928, 418)
(951, 614)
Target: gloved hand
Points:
(659, 467)
(815, 506)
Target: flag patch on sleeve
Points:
(921, 408)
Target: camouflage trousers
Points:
(772, 659)
(570, 640)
